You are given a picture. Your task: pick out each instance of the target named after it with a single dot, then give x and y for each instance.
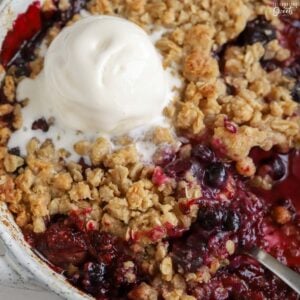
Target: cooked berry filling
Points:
(96, 262)
(258, 30)
(233, 215)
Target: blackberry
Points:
(215, 175)
(210, 218)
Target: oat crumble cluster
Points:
(227, 96)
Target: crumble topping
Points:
(226, 94)
(9, 88)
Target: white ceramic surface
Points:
(13, 287)
(20, 256)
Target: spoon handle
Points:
(290, 277)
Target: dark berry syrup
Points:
(231, 215)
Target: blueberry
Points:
(203, 153)
(258, 30)
(232, 221)
(215, 175)
(296, 92)
(278, 168)
(95, 272)
(210, 218)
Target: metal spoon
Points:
(290, 277)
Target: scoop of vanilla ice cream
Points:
(104, 74)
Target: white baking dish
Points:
(18, 252)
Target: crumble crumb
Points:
(124, 156)
(48, 5)
(246, 167)
(12, 162)
(99, 149)
(230, 247)
(190, 117)
(166, 268)
(63, 4)
(199, 66)
(63, 181)
(5, 109)
(36, 66)
(162, 135)
(281, 215)
(83, 148)
(143, 292)
(100, 7)
(9, 88)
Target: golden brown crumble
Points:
(143, 292)
(124, 156)
(82, 148)
(166, 268)
(100, 7)
(200, 37)
(263, 182)
(63, 4)
(118, 186)
(48, 5)
(12, 162)
(5, 134)
(98, 151)
(273, 50)
(2, 70)
(246, 167)
(281, 214)
(161, 135)
(190, 117)
(62, 181)
(17, 117)
(230, 247)
(36, 66)
(199, 66)
(9, 88)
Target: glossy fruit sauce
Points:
(229, 210)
